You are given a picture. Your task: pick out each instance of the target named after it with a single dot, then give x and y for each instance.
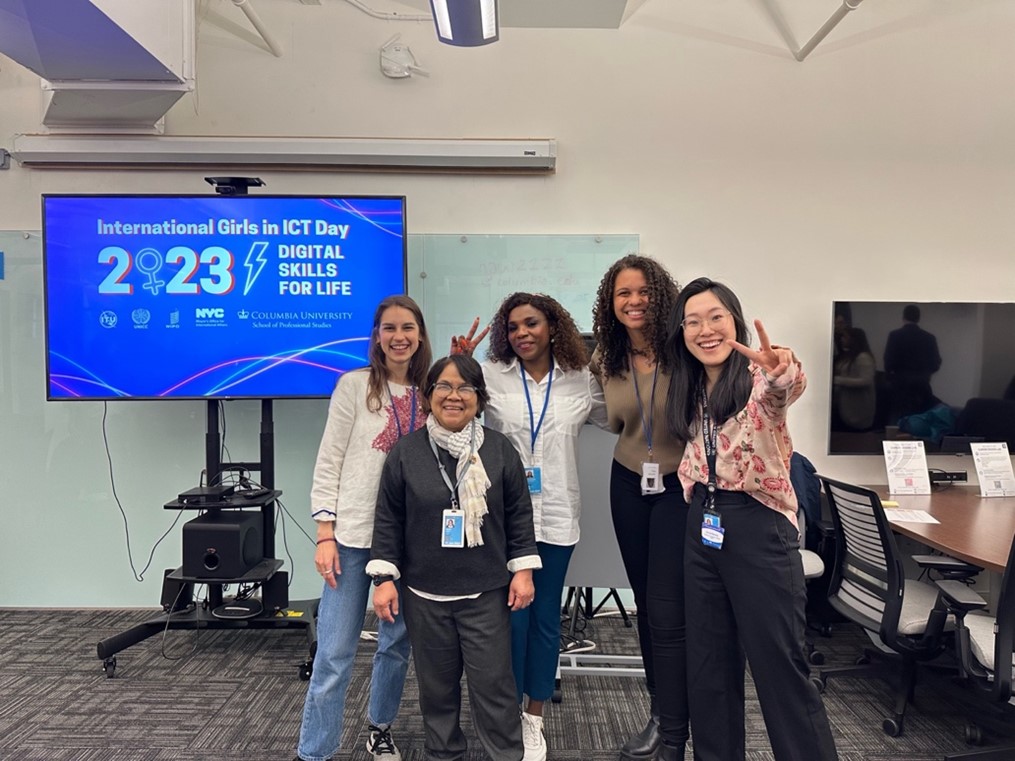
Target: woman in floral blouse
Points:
(743, 574)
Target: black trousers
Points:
(748, 598)
(474, 634)
(650, 532)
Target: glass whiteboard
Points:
(456, 278)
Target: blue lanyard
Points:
(394, 409)
(646, 425)
(533, 427)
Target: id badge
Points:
(651, 481)
(712, 531)
(452, 528)
(534, 476)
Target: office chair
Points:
(985, 647)
(869, 588)
(993, 419)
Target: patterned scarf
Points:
(472, 490)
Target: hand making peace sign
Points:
(774, 360)
(466, 344)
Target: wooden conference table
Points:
(976, 529)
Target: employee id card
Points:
(651, 481)
(453, 528)
(711, 530)
(534, 477)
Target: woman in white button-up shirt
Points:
(541, 394)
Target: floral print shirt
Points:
(753, 446)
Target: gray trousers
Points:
(475, 635)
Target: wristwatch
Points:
(381, 578)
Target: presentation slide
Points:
(213, 296)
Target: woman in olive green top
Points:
(633, 304)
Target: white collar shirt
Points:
(575, 398)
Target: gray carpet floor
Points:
(236, 695)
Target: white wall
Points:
(880, 168)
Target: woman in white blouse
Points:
(541, 394)
(370, 410)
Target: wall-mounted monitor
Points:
(941, 372)
(214, 296)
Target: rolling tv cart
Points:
(232, 512)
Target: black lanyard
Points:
(534, 428)
(646, 425)
(394, 409)
(468, 464)
(710, 435)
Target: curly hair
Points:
(418, 365)
(568, 345)
(611, 336)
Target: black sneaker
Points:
(380, 744)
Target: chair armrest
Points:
(826, 529)
(950, 567)
(959, 597)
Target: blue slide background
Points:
(262, 344)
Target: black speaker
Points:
(222, 544)
(275, 592)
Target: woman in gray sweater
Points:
(454, 523)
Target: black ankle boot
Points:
(669, 752)
(644, 744)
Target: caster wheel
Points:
(974, 735)
(306, 669)
(815, 657)
(556, 697)
(818, 683)
(863, 660)
(109, 666)
(892, 727)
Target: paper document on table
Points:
(906, 463)
(895, 515)
(993, 469)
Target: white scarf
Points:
(473, 487)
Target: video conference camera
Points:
(234, 186)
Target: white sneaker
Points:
(380, 744)
(532, 738)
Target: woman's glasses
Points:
(697, 324)
(443, 389)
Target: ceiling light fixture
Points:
(466, 23)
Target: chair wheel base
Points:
(974, 735)
(892, 727)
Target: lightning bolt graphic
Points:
(254, 256)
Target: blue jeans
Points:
(339, 623)
(535, 631)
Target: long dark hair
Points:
(418, 365)
(857, 345)
(568, 346)
(610, 334)
(733, 389)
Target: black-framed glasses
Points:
(443, 389)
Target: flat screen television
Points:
(941, 372)
(214, 296)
